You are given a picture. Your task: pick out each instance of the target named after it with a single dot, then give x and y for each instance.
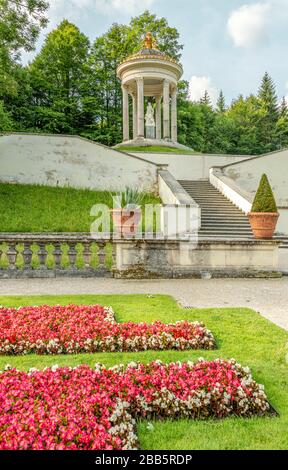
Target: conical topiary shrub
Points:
(264, 214)
(264, 200)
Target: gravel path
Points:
(269, 297)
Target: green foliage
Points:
(20, 25)
(264, 200)
(5, 120)
(129, 198)
(241, 333)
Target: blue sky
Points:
(228, 44)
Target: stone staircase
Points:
(221, 219)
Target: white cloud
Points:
(121, 6)
(198, 86)
(247, 25)
(71, 9)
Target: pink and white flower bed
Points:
(85, 409)
(89, 329)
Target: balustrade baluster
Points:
(42, 256)
(101, 255)
(27, 255)
(12, 255)
(87, 255)
(72, 254)
(57, 254)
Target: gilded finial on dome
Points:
(150, 42)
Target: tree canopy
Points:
(20, 24)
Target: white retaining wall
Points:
(246, 175)
(71, 161)
(190, 167)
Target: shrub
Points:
(264, 200)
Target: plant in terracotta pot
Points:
(127, 212)
(264, 213)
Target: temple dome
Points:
(150, 51)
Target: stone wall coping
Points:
(178, 191)
(217, 171)
(254, 157)
(194, 154)
(83, 236)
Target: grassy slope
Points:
(240, 333)
(28, 208)
(157, 149)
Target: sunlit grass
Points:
(29, 208)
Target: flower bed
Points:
(81, 329)
(85, 409)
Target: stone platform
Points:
(141, 142)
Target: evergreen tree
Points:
(268, 105)
(221, 106)
(268, 97)
(206, 100)
(283, 111)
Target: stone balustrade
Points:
(56, 255)
(51, 255)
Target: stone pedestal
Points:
(150, 132)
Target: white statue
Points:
(149, 118)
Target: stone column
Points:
(140, 108)
(125, 113)
(135, 116)
(166, 110)
(158, 118)
(174, 135)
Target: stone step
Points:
(223, 227)
(226, 220)
(220, 218)
(218, 213)
(213, 205)
(226, 231)
(230, 220)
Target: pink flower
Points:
(77, 329)
(85, 409)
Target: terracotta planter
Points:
(263, 224)
(126, 221)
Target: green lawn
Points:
(240, 333)
(157, 149)
(29, 208)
